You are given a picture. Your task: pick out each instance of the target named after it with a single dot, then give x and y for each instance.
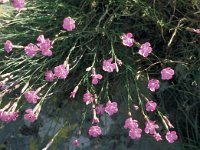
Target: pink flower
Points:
(157, 136)
(197, 31)
(69, 24)
(145, 49)
(30, 116)
(111, 108)
(171, 136)
(127, 39)
(151, 127)
(61, 71)
(88, 98)
(18, 4)
(167, 73)
(8, 46)
(135, 133)
(130, 123)
(45, 45)
(31, 50)
(31, 97)
(76, 143)
(100, 109)
(49, 76)
(94, 131)
(108, 65)
(151, 106)
(14, 116)
(7, 116)
(153, 85)
(47, 53)
(96, 78)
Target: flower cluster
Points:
(91, 98)
(45, 45)
(31, 50)
(128, 40)
(151, 127)
(153, 85)
(60, 71)
(134, 132)
(7, 116)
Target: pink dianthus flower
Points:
(8, 46)
(96, 78)
(151, 106)
(30, 116)
(153, 85)
(45, 45)
(111, 108)
(145, 49)
(61, 71)
(7, 116)
(127, 39)
(18, 4)
(151, 127)
(135, 133)
(167, 73)
(31, 50)
(69, 24)
(157, 137)
(100, 109)
(88, 98)
(94, 131)
(108, 65)
(171, 136)
(130, 123)
(31, 97)
(49, 76)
